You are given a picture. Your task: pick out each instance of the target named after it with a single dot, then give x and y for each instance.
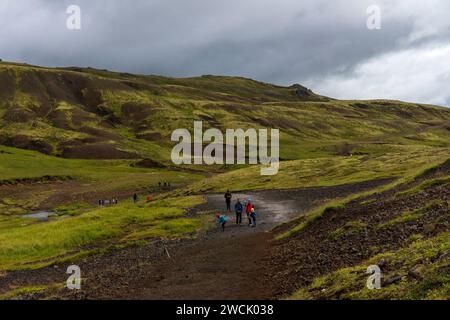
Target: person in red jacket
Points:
(248, 210)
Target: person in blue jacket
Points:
(253, 217)
(222, 220)
(238, 208)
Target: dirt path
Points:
(216, 265)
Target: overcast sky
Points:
(324, 45)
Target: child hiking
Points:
(222, 220)
(253, 217)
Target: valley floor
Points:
(310, 243)
(235, 264)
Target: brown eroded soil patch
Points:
(99, 150)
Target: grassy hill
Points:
(88, 113)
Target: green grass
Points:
(403, 218)
(349, 228)
(422, 256)
(72, 209)
(169, 228)
(78, 176)
(424, 185)
(409, 216)
(316, 213)
(327, 171)
(28, 245)
(19, 164)
(26, 291)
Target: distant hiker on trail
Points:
(222, 220)
(135, 198)
(238, 208)
(159, 184)
(228, 199)
(248, 210)
(253, 217)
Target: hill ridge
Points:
(91, 113)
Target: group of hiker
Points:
(107, 202)
(239, 209)
(164, 185)
(246, 207)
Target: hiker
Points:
(228, 199)
(248, 210)
(100, 202)
(115, 201)
(238, 208)
(135, 198)
(253, 217)
(222, 220)
(159, 184)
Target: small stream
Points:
(40, 215)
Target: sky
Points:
(322, 44)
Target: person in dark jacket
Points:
(135, 198)
(238, 208)
(228, 199)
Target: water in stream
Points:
(40, 215)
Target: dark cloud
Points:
(283, 41)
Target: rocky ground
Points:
(235, 264)
(347, 236)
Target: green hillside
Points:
(88, 113)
